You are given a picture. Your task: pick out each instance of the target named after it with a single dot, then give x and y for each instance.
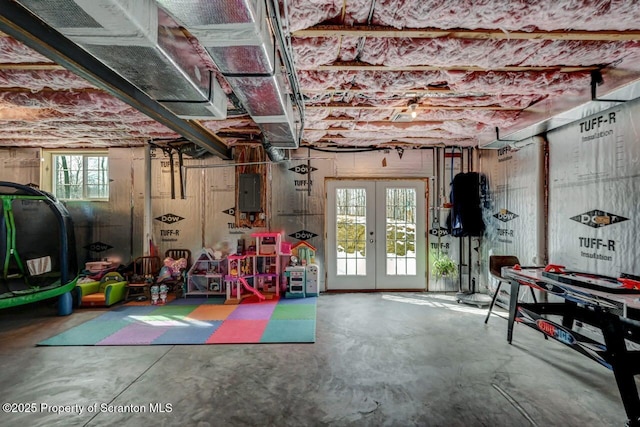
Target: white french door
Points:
(376, 234)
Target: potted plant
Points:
(444, 269)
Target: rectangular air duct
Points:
(237, 35)
(144, 45)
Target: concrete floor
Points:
(381, 359)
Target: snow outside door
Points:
(376, 234)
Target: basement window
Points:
(80, 176)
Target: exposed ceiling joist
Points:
(414, 92)
(431, 33)
(343, 106)
(31, 66)
(363, 66)
(385, 140)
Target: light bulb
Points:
(412, 108)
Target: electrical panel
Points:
(249, 192)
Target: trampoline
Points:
(37, 248)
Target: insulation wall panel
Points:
(298, 203)
(514, 215)
(176, 222)
(104, 230)
(20, 165)
(594, 189)
(219, 229)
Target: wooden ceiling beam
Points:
(431, 33)
(342, 106)
(382, 141)
(362, 66)
(381, 122)
(31, 66)
(414, 92)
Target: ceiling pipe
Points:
(597, 80)
(274, 154)
(21, 24)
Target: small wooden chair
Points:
(145, 272)
(179, 253)
(177, 284)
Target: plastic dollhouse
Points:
(206, 275)
(256, 273)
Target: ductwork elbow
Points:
(274, 154)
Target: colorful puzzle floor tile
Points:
(197, 321)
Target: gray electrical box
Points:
(249, 192)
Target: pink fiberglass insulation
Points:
(388, 135)
(56, 134)
(350, 48)
(518, 83)
(445, 52)
(370, 80)
(75, 129)
(24, 115)
(129, 115)
(362, 115)
(14, 52)
(507, 15)
(580, 53)
(406, 128)
(356, 99)
(311, 52)
(216, 125)
(68, 143)
(66, 102)
(505, 101)
(137, 128)
(490, 82)
(461, 129)
(36, 80)
(364, 141)
(307, 13)
(73, 114)
(490, 117)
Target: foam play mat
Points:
(197, 321)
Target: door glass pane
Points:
(351, 217)
(401, 218)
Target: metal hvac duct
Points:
(237, 35)
(144, 45)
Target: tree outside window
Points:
(81, 176)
